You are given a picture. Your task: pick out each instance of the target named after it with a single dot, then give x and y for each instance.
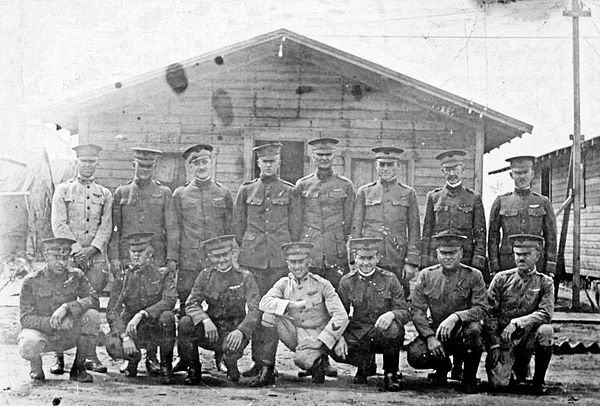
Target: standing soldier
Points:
(521, 305)
(82, 211)
(455, 207)
(140, 311)
(304, 311)
(144, 205)
(379, 314)
(204, 210)
(521, 211)
(58, 311)
(265, 217)
(327, 206)
(455, 297)
(388, 209)
(224, 326)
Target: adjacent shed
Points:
(551, 179)
(285, 87)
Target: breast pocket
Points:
(97, 202)
(536, 217)
(337, 194)
(510, 219)
(442, 216)
(463, 216)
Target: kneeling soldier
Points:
(224, 327)
(455, 295)
(58, 311)
(379, 314)
(521, 305)
(140, 311)
(305, 312)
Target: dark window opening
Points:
(546, 180)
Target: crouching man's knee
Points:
(167, 321)
(90, 322)
(305, 359)
(185, 327)
(545, 335)
(269, 320)
(114, 346)
(472, 336)
(31, 343)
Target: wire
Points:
(462, 37)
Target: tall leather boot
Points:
(230, 361)
(543, 354)
(59, 364)
(257, 338)
(266, 350)
(132, 365)
(37, 372)
(469, 378)
(85, 345)
(92, 363)
(166, 361)
(153, 368)
(189, 355)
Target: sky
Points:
(515, 58)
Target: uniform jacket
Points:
(327, 206)
(82, 211)
(43, 292)
(324, 315)
(528, 299)
(227, 295)
(521, 212)
(204, 211)
(370, 297)
(265, 217)
(458, 208)
(147, 287)
(144, 208)
(389, 210)
(444, 292)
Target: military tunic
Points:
(323, 318)
(521, 212)
(144, 208)
(227, 295)
(327, 206)
(42, 293)
(389, 210)
(82, 211)
(455, 208)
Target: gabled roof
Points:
(499, 128)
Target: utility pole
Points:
(575, 14)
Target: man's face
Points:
(526, 257)
(386, 169)
(143, 171)
(522, 176)
(453, 174)
(57, 260)
(324, 160)
(202, 167)
(449, 257)
(86, 166)
(366, 263)
(299, 267)
(139, 257)
(268, 166)
(221, 260)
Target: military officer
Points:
(521, 305)
(224, 326)
(140, 310)
(455, 296)
(58, 311)
(327, 206)
(82, 211)
(379, 314)
(265, 217)
(305, 312)
(204, 210)
(521, 211)
(388, 209)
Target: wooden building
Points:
(551, 179)
(283, 87)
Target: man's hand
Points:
(234, 340)
(508, 332)
(129, 347)
(409, 271)
(445, 328)
(297, 305)
(132, 325)
(341, 348)
(435, 347)
(172, 265)
(385, 321)
(85, 254)
(57, 317)
(309, 343)
(210, 331)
